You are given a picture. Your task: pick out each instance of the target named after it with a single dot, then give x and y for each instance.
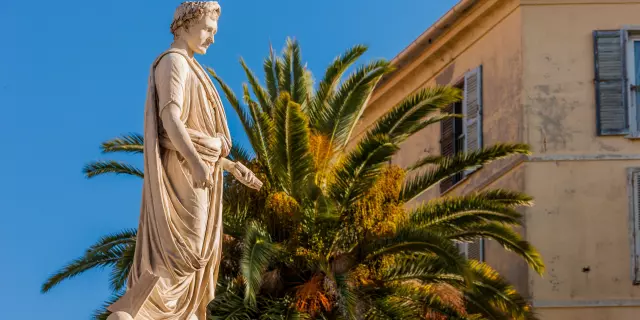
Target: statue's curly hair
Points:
(191, 11)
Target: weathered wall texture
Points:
(580, 222)
(489, 36)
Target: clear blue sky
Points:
(74, 73)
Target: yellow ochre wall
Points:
(538, 71)
(489, 35)
(581, 220)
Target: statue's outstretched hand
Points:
(242, 173)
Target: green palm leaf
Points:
(332, 77)
(105, 243)
(494, 298)
(245, 119)
(504, 235)
(103, 313)
(353, 176)
(404, 118)
(262, 132)
(285, 67)
(229, 305)
(507, 197)
(87, 262)
(271, 75)
(411, 239)
(446, 166)
(239, 153)
(101, 167)
(294, 164)
(257, 254)
(107, 251)
(457, 212)
(338, 121)
(120, 271)
(264, 103)
(132, 143)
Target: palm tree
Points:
(329, 235)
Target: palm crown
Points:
(329, 235)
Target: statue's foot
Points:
(120, 315)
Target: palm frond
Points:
(432, 120)
(291, 146)
(505, 236)
(100, 259)
(263, 128)
(103, 313)
(257, 254)
(347, 297)
(105, 243)
(456, 213)
(446, 166)
(409, 115)
(245, 119)
(353, 176)
(229, 305)
(494, 298)
(507, 197)
(299, 78)
(285, 69)
(428, 268)
(331, 79)
(132, 143)
(439, 301)
(338, 121)
(120, 271)
(239, 153)
(411, 239)
(264, 103)
(271, 75)
(101, 167)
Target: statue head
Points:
(196, 23)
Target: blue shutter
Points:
(611, 82)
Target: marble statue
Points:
(186, 141)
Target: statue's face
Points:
(200, 35)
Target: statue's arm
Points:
(170, 76)
(241, 173)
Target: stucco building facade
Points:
(559, 75)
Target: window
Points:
(464, 134)
(634, 219)
(472, 250)
(452, 140)
(617, 74)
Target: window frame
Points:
(633, 189)
(633, 36)
(459, 177)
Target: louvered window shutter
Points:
(472, 250)
(472, 109)
(611, 82)
(447, 144)
(634, 179)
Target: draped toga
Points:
(179, 241)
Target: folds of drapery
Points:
(179, 242)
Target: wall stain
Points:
(444, 78)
